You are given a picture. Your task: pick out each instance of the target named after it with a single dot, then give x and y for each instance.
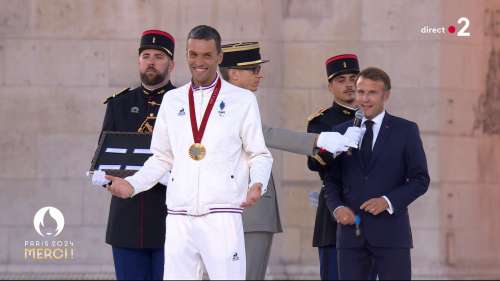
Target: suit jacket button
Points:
(366, 178)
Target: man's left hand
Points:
(253, 195)
(375, 206)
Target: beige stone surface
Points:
(56, 62)
(398, 20)
(21, 151)
(2, 60)
(460, 163)
(59, 59)
(78, 150)
(32, 195)
(14, 17)
(4, 243)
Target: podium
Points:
(121, 154)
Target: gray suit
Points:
(261, 221)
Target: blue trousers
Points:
(328, 264)
(138, 264)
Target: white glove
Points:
(333, 142)
(353, 136)
(166, 177)
(98, 178)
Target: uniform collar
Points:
(159, 91)
(347, 110)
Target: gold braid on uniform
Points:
(115, 95)
(319, 159)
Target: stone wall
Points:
(59, 60)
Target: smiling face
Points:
(342, 87)
(248, 78)
(371, 96)
(203, 60)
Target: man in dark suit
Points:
(369, 190)
(136, 226)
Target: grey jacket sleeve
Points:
(291, 141)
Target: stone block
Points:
(321, 98)
(330, 20)
(56, 62)
(4, 244)
(2, 62)
(295, 168)
(53, 109)
(96, 201)
(409, 102)
(294, 108)
(309, 255)
(19, 152)
(459, 71)
(272, 71)
(489, 159)
(402, 20)
(288, 245)
(428, 246)
(123, 63)
(458, 112)
(257, 20)
(78, 150)
(304, 62)
(470, 206)
(422, 57)
(15, 17)
(461, 159)
(64, 194)
(432, 153)
(295, 207)
(110, 19)
(426, 212)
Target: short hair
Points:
(375, 74)
(206, 32)
(224, 72)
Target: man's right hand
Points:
(120, 187)
(344, 216)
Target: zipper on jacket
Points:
(201, 113)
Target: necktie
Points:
(366, 144)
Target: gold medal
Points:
(197, 151)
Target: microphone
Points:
(357, 222)
(358, 118)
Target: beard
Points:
(152, 77)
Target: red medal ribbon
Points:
(198, 133)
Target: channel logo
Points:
(461, 29)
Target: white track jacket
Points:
(236, 154)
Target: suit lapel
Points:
(383, 135)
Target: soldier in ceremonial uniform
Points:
(241, 66)
(341, 74)
(136, 226)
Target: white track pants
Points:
(217, 240)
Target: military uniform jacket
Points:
(264, 216)
(325, 226)
(138, 222)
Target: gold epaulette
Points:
(115, 95)
(316, 114)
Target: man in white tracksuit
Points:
(207, 134)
